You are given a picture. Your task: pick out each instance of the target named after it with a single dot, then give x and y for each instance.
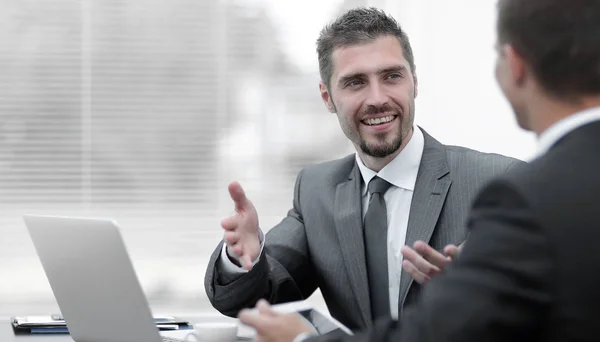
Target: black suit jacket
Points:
(530, 270)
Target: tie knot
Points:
(378, 185)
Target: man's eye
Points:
(354, 83)
(396, 75)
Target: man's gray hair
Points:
(358, 26)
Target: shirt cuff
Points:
(303, 337)
(227, 266)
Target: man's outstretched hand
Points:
(241, 228)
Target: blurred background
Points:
(144, 110)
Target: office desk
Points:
(7, 334)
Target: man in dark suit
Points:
(528, 271)
(369, 82)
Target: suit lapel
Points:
(348, 223)
(428, 199)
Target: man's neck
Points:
(376, 164)
(546, 113)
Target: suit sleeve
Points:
(282, 274)
(499, 289)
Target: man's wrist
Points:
(236, 260)
(229, 263)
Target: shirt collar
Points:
(402, 170)
(564, 126)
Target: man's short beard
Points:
(382, 151)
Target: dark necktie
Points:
(375, 235)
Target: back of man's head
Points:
(357, 26)
(559, 41)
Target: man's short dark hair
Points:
(558, 39)
(358, 26)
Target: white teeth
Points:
(377, 121)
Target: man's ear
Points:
(326, 97)
(516, 64)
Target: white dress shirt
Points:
(561, 128)
(401, 172)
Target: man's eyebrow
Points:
(346, 78)
(396, 68)
(349, 77)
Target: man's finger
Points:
(414, 272)
(409, 254)
(230, 222)
(238, 250)
(418, 261)
(254, 319)
(231, 237)
(452, 251)
(265, 308)
(430, 254)
(247, 262)
(238, 196)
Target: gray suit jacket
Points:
(320, 242)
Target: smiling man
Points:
(372, 91)
(351, 217)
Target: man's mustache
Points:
(374, 110)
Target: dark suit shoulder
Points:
(560, 190)
(565, 175)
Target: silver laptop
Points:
(93, 279)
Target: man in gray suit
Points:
(351, 217)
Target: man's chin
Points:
(523, 123)
(380, 151)
(522, 117)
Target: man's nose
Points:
(376, 96)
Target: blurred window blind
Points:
(109, 103)
(40, 106)
(154, 100)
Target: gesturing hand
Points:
(422, 262)
(241, 229)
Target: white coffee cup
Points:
(213, 332)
